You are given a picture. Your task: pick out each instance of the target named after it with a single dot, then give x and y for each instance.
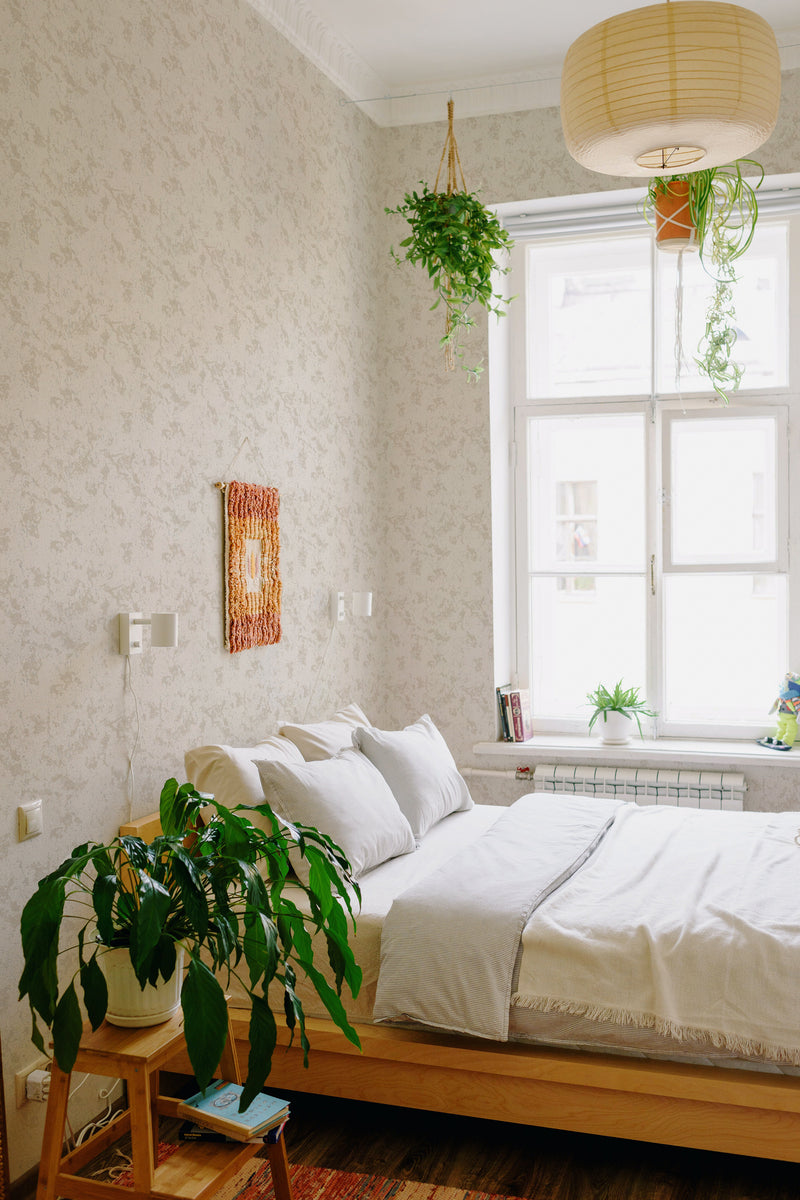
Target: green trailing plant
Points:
(455, 239)
(724, 209)
(198, 887)
(618, 699)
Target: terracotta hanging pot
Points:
(675, 229)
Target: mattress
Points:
(566, 1031)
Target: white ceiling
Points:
(398, 57)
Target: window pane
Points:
(587, 491)
(581, 639)
(723, 490)
(725, 651)
(761, 302)
(588, 317)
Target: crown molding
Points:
(419, 103)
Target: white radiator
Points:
(687, 789)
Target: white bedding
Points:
(683, 921)
(565, 1028)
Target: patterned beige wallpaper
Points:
(197, 286)
(190, 259)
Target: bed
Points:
(562, 1065)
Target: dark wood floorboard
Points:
(514, 1160)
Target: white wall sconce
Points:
(362, 604)
(163, 631)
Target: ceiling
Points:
(398, 57)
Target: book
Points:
(190, 1131)
(218, 1108)
(521, 715)
(505, 731)
(515, 713)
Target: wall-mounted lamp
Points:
(163, 630)
(362, 604)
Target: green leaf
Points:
(262, 1036)
(67, 1029)
(95, 991)
(205, 1019)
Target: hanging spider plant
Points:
(724, 210)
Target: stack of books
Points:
(515, 713)
(213, 1116)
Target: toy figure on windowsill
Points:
(788, 706)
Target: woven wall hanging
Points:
(251, 570)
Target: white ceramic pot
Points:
(131, 1005)
(615, 728)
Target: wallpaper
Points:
(198, 288)
(191, 247)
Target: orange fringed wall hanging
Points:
(252, 577)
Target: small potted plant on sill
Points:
(618, 707)
(715, 210)
(196, 889)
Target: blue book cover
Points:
(219, 1108)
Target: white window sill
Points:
(671, 752)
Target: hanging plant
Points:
(455, 239)
(716, 210)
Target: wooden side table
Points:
(193, 1172)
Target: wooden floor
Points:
(513, 1160)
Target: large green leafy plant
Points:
(197, 887)
(724, 209)
(455, 239)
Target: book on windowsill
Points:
(218, 1108)
(190, 1131)
(515, 713)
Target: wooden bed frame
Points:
(707, 1108)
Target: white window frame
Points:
(511, 395)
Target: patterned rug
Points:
(318, 1183)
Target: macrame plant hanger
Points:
(454, 169)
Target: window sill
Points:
(671, 752)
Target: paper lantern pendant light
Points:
(669, 88)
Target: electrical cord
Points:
(130, 781)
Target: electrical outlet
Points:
(337, 607)
(21, 1079)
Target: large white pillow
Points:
(345, 797)
(420, 770)
(230, 775)
(326, 738)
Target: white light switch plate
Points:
(30, 821)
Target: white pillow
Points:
(345, 797)
(229, 774)
(420, 770)
(325, 738)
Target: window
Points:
(651, 528)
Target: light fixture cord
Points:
(130, 782)
(315, 684)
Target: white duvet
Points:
(682, 921)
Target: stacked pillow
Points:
(376, 793)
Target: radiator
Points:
(687, 789)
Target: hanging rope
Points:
(450, 152)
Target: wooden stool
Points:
(194, 1171)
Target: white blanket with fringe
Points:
(683, 921)
(450, 942)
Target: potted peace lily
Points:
(195, 890)
(716, 211)
(618, 707)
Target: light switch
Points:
(29, 820)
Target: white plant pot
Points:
(131, 1005)
(615, 728)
